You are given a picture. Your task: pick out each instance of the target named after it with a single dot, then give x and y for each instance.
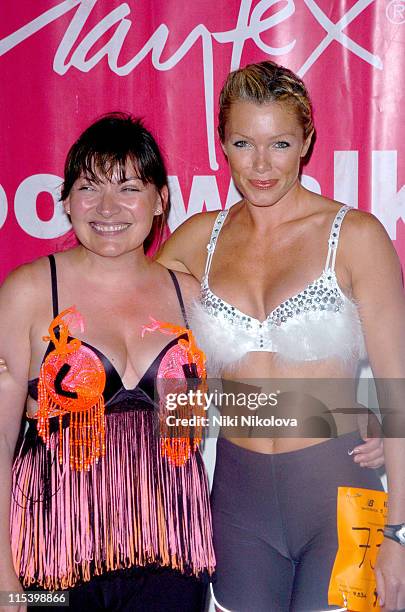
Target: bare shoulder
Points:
(364, 232)
(364, 222)
(25, 283)
(360, 228)
(202, 221)
(187, 242)
(22, 304)
(367, 246)
(21, 300)
(363, 240)
(190, 287)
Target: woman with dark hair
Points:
(100, 503)
(315, 288)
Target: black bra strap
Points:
(54, 281)
(179, 296)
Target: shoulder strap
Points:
(179, 297)
(219, 221)
(334, 237)
(54, 282)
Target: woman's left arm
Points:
(378, 291)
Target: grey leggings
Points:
(275, 524)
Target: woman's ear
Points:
(162, 200)
(66, 205)
(307, 144)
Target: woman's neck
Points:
(263, 219)
(112, 270)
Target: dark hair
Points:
(105, 147)
(262, 83)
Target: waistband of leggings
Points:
(343, 443)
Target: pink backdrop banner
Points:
(63, 64)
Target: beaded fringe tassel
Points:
(87, 429)
(131, 508)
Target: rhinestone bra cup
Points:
(319, 322)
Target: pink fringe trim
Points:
(131, 509)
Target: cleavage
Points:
(265, 313)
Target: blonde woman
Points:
(293, 286)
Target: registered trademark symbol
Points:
(395, 11)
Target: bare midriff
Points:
(319, 395)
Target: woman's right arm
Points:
(185, 250)
(16, 310)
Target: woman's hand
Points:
(3, 365)
(370, 454)
(390, 576)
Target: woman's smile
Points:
(263, 184)
(109, 229)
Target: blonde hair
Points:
(263, 83)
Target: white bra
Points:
(319, 322)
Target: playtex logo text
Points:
(77, 47)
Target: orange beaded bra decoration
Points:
(181, 369)
(71, 382)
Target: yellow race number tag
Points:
(361, 515)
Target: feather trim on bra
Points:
(309, 336)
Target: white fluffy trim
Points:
(309, 336)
